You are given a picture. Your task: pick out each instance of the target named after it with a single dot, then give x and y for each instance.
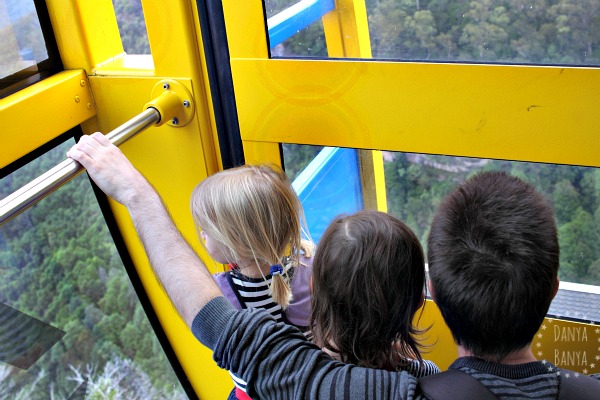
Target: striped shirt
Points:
(256, 293)
(282, 364)
(535, 380)
(419, 370)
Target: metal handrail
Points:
(51, 180)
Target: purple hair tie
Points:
(276, 269)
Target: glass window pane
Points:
(542, 32)
(528, 32)
(62, 279)
(307, 41)
(132, 26)
(22, 44)
(415, 184)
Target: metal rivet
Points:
(89, 106)
(186, 103)
(82, 82)
(77, 99)
(175, 121)
(166, 85)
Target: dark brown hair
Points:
(493, 262)
(368, 282)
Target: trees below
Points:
(415, 184)
(511, 31)
(58, 263)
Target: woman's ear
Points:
(310, 285)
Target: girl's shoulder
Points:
(223, 280)
(298, 312)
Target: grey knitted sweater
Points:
(281, 364)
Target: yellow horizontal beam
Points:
(543, 114)
(43, 111)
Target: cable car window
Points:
(26, 54)
(415, 183)
(71, 325)
(531, 32)
(297, 157)
(524, 32)
(305, 35)
(132, 26)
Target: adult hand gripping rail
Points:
(172, 104)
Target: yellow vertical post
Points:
(249, 40)
(347, 35)
(347, 30)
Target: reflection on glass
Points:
(296, 157)
(307, 42)
(132, 26)
(415, 184)
(62, 278)
(22, 44)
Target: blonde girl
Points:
(251, 218)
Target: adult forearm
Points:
(184, 277)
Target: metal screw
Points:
(166, 85)
(186, 103)
(77, 99)
(175, 121)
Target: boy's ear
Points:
(430, 290)
(556, 288)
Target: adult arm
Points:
(184, 277)
(279, 363)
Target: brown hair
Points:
(368, 283)
(493, 262)
(256, 214)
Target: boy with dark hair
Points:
(281, 364)
(493, 265)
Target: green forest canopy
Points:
(415, 184)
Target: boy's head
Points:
(493, 262)
(368, 281)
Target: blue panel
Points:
(329, 186)
(291, 20)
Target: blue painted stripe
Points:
(291, 20)
(330, 185)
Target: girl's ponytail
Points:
(280, 288)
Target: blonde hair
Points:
(256, 214)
